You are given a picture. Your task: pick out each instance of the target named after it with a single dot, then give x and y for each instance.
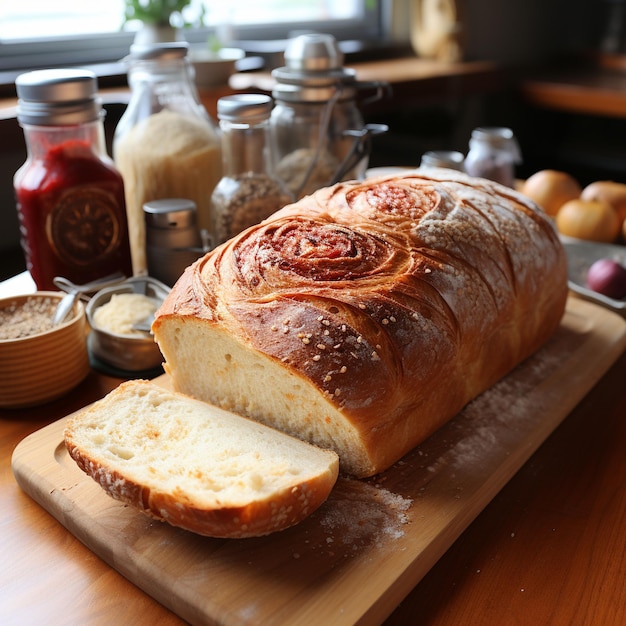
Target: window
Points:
(37, 33)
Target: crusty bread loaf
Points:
(198, 467)
(365, 316)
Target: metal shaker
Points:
(173, 239)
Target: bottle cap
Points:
(170, 213)
(57, 97)
(248, 108)
(313, 70)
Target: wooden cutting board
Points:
(358, 556)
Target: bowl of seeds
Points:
(40, 360)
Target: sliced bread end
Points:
(196, 466)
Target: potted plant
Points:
(161, 19)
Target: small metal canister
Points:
(173, 240)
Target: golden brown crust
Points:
(405, 296)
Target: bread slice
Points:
(196, 466)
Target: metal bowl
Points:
(130, 353)
(42, 366)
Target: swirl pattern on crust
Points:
(313, 252)
(401, 264)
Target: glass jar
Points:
(70, 196)
(165, 144)
(249, 191)
(493, 154)
(317, 130)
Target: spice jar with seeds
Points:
(248, 191)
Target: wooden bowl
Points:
(43, 365)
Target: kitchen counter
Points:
(548, 549)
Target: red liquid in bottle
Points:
(72, 214)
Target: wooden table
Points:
(549, 549)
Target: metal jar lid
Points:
(170, 213)
(247, 108)
(443, 158)
(314, 52)
(497, 137)
(57, 97)
(172, 239)
(313, 70)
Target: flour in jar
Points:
(167, 155)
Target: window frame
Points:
(102, 48)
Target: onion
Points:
(607, 277)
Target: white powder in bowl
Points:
(122, 311)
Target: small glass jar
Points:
(493, 154)
(249, 191)
(165, 145)
(317, 130)
(70, 196)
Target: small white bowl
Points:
(213, 69)
(43, 366)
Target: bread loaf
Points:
(365, 316)
(198, 467)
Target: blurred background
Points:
(525, 42)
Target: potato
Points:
(551, 189)
(607, 191)
(588, 219)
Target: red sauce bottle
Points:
(70, 196)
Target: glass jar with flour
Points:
(165, 145)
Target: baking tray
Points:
(580, 256)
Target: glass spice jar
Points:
(493, 154)
(166, 145)
(317, 131)
(249, 191)
(70, 196)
